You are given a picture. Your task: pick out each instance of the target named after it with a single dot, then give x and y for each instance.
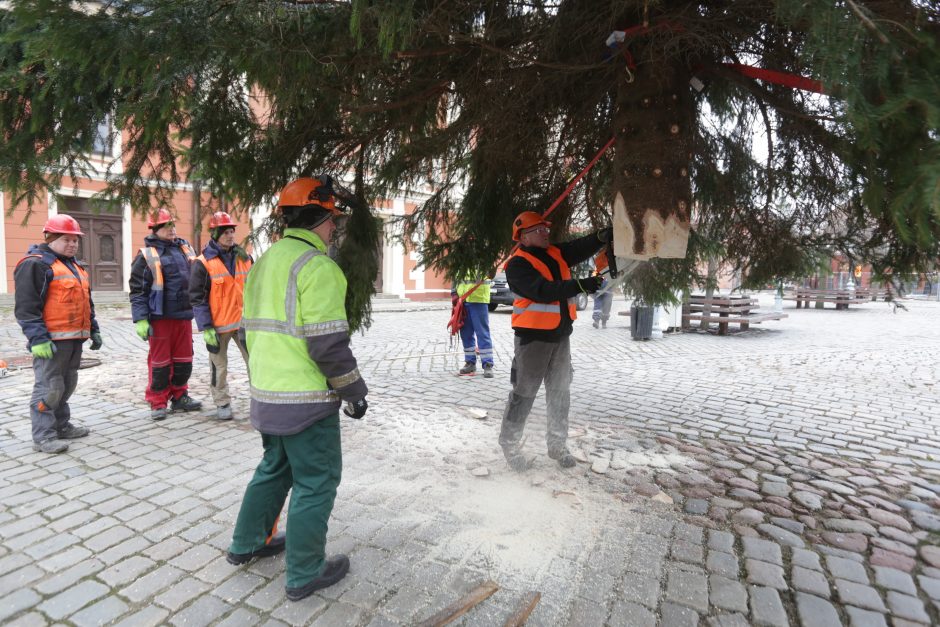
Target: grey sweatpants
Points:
(533, 363)
(55, 381)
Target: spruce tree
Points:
(497, 104)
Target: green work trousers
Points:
(309, 464)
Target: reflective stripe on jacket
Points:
(67, 311)
(152, 257)
(295, 307)
(226, 292)
(528, 314)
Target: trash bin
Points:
(641, 322)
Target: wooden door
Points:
(101, 247)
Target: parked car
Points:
(500, 294)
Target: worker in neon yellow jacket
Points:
(475, 332)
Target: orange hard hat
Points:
(62, 223)
(526, 220)
(220, 218)
(309, 191)
(159, 218)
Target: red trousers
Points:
(170, 361)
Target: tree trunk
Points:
(653, 127)
(712, 276)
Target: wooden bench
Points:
(841, 298)
(725, 310)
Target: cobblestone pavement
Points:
(786, 475)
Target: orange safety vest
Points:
(67, 312)
(528, 314)
(226, 292)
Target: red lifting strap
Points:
(455, 320)
(792, 81)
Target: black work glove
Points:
(96, 341)
(356, 409)
(591, 284)
(606, 235)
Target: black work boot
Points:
(516, 460)
(51, 446)
(275, 546)
(334, 570)
(185, 403)
(72, 432)
(563, 456)
(468, 370)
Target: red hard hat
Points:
(220, 218)
(309, 191)
(62, 223)
(526, 220)
(160, 217)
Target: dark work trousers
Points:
(309, 464)
(170, 361)
(55, 381)
(533, 363)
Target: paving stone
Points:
(831, 486)
(68, 577)
(627, 614)
(812, 581)
(805, 558)
(907, 606)
(881, 557)
(195, 558)
(72, 599)
(851, 593)
(103, 612)
(931, 555)
(151, 616)
(865, 618)
(724, 564)
(789, 524)
(894, 546)
(764, 574)
(809, 500)
(152, 583)
(340, 615)
(926, 520)
(17, 601)
(889, 518)
(846, 525)
(126, 571)
(720, 541)
(31, 619)
(238, 587)
(855, 542)
(929, 585)
(206, 610)
(842, 568)
(728, 620)
(243, 618)
(687, 552)
(727, 594)
(672, 614)
(642, 590)
(815, 611)
(766, 607)
(763, 550)
(781, 536)
(689, 589)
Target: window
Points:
(103, 143)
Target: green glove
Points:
(96, 341)
(211, 337)
(42, 351)
(143, 329)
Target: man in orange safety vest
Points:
(542, 316)
(216, 288)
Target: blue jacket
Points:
(31, 278)
(175, 268)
